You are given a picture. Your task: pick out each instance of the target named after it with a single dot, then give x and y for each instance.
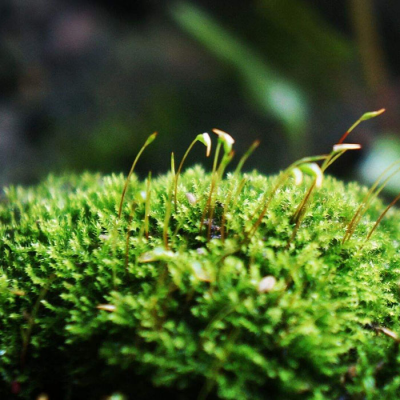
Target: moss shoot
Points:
(165, 302)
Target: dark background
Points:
(83, 83)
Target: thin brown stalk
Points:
(128, 236)
(203, 138)
(282, 178)
(373, 192)
(149, 140)
(300, 212)
(213, 177)
(245, 156)
(395, 200)
(179, 171)
(228, 205)
(31, 322)
(147, 206)
(224, 162)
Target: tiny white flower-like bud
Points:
(266, 284)
(107, 307)
(206, 140)
(226, 139)
(313, 169)
(346, 146)
(298, 176)
(191, 198)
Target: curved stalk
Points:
(149, 140)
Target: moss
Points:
(82, 318)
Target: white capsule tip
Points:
(346, 146)
(106, 307)
(266, 284)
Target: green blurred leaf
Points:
(272, 93)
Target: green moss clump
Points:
(82, 318)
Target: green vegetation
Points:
(244, 287)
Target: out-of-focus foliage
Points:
(310, 50)
(384, 153)
(84, 82)
(272, 93)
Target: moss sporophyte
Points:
(201, 285)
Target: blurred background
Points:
(83, 83)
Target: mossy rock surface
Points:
(190, 321)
